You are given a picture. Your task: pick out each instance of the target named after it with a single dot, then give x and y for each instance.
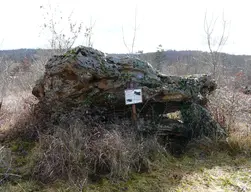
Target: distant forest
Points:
(193, 60)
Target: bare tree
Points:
(130, 47)
(214, 43)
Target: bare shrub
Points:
(64, 31)
(16, 82)
(81, 151)
(230, 107)
(5, 77)
(15, 96)
(23, 80)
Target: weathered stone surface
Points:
(85, 73)
(87, 77)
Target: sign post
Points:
(132, 97)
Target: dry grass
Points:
(6, 167)
(79, 153)
(239, 143)
(16, 110)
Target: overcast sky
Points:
(174, 24)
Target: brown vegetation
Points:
(80, 149)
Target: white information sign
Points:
(133, 96)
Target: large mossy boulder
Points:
(87, 77)
(87, 74)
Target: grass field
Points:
(195, 171)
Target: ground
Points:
(195, 171)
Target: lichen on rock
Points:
(86, 75)
(84, 70)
